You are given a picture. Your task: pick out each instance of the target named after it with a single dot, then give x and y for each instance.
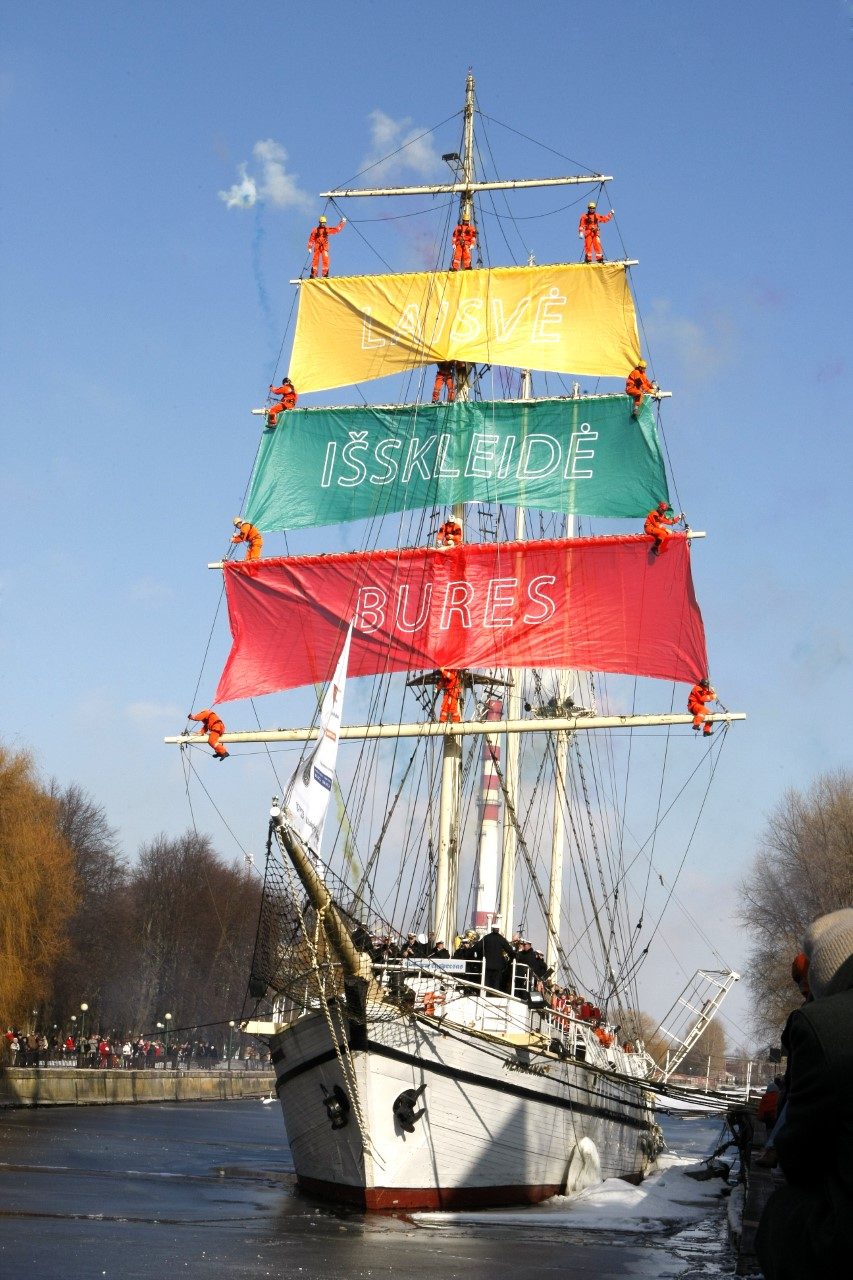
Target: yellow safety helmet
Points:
(591, 204)
(322, 220)
(641, 364)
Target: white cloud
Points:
(271, 183)
(417, 155)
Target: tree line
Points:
(172, 932)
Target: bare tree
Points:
(194, 921)
(93, 968)
(803, 869)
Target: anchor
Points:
(404, 1108)
(337, 1106)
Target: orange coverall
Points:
(213, 726)
(450, 534)
(451, 686)
(288, 395)
(248, 533)
(588, 228)
(319, 242)
(445, 377)
(696, 700)
(636, 386)
(655, 527)
(464, 238)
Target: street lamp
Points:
(168, 1018)
(84, 1009)
(231, 1026)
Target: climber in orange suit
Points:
(247, 532)
(318, 241)
(287, 400)
(450, 534)
(637, 386)
(214, 728)
(464, 238)
(451, 686)
(588, 231)
(699, 696)
(445, 377)
(655, 526)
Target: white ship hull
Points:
(499, 1125)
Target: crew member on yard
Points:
(318, 242)
(637, 386)
(450, 534)
(214, 728)
(655, 526)
(287, 400)
(247, 532)
(700, 695)
(464, 238)
(450, 686)
(588, 231)
(445, 378)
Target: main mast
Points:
(447, 860)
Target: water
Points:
(206, 1190)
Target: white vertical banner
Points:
(310, 789)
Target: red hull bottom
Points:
(397, 1199)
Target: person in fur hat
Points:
(806, 1229)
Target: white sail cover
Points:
(307, 799)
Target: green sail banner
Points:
(584, 456)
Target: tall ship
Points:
(453, 910)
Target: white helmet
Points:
(238, 520)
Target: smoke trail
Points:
(263, 296)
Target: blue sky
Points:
(141, 318)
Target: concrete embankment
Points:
(70, 1087)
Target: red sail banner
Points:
(596, 604)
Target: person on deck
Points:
(637, 386)
(464, 238)
(318, 243)
(214, 728)
(700, 695)
(498, 953)
(450, 686)
(588, 231)
(450, 534)
(439, 952)
(445, 378)
(655, 526)
(247, 532)
(287, 400)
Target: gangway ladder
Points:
(702, 997)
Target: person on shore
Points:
(806, 1229)
(213, 726)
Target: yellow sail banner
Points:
(564, 319)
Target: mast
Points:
(447, 857)
(513, 742)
